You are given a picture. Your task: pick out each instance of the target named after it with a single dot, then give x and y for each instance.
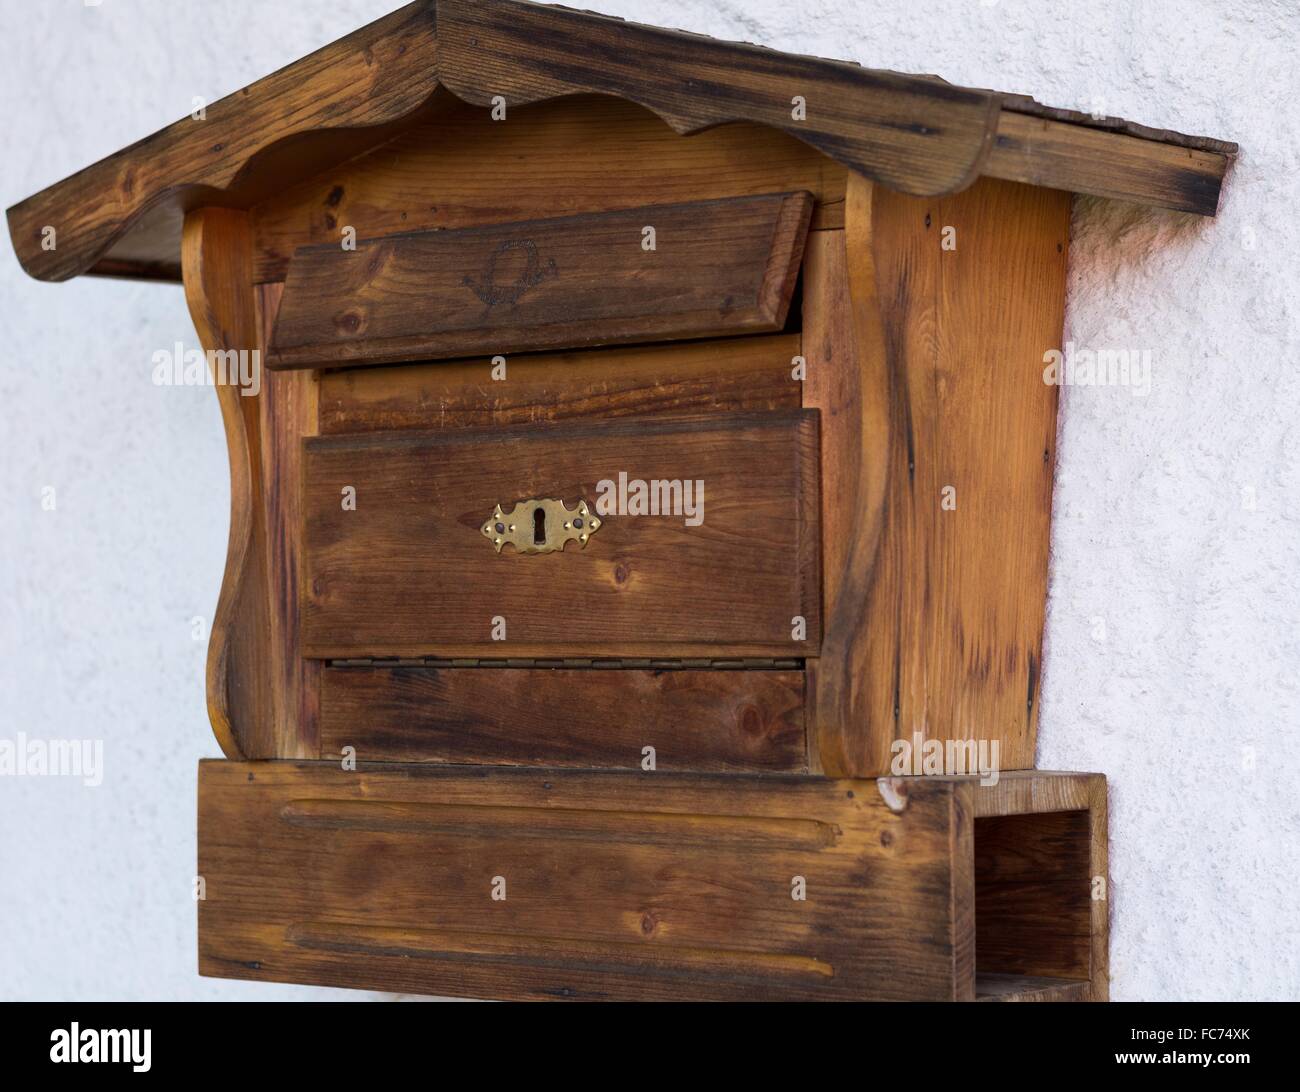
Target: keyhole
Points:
(539, 527)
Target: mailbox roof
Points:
(122, 216)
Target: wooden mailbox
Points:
(649, 446)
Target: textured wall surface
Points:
(1174, 621)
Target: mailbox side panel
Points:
(928, 324)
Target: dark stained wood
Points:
(1033, 900)
(409, 573)
(921, 136)
(1039, 792)
(618, 884)
(1042, 793)
(731, 375)
(1062, 156)
(378, 74)
(902, 129)
(848, 383)
(934, 615)
(718, 267)
(289, 410)
(1011, 987)
(706, 720)
(583, 154)
(522, 236)
(261, 693)
(218, 260)
(916, 134)
(1023, 104)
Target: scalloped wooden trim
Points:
(915, 134)
(919, 135)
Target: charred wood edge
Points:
(92, 254)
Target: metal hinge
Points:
(614, 663)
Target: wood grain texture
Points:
(921, 136)
(730, 375)
(582, 154)
(717, 267)
(934, 613)
(1033, 895)
(698, 720)
(218, 262)
(1099, 863)
(848, 383)
(378, 74)
(1048, 902)
(618, 884)
(1106, 123)
(1011, 987)
(904, 130)
(261, 694)
(1026, 792)
(916, 134)
(409, 573)
(289, 411)
(1062, 156)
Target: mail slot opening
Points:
(1033, 902)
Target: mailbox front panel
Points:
(500, 550)
(664, 537)
(655, 273)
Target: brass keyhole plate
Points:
(559, 525)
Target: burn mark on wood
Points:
(532, 274)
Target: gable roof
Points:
(122, 215)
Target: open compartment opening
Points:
(1033, 905)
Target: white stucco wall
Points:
(1174, 628)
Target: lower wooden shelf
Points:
(1023, 987)
(505, 882)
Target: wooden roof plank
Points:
(376, 74)
(1062, 156)
(905, 132)
(916, 134)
